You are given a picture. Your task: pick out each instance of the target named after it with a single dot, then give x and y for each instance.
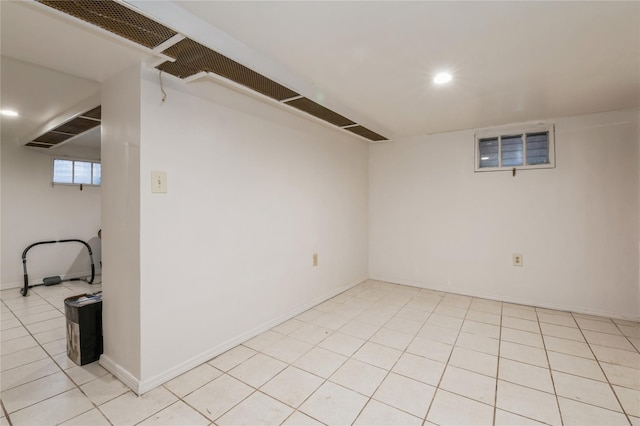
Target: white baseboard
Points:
(123, 375)
(143, 386)
(18, 284)
(516, 300)
(9, 286)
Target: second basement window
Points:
(76, 172)
(525, 148)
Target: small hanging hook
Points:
(514, 172)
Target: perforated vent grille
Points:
(317, 110)
(94, 113)
(53, 138)
(192, 57)
(366, 133)
(39, 145)
(77, 125)
(115, 18)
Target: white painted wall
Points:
(121, 224)
(435, 223)
(253, 192)
(33, 210)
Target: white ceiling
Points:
(511, 61)
(38, 94)
(48, 65)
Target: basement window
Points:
(530, 147)
(76, 172)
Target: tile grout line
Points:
(185, 402)
(6, 414)
(241, 381)
(258, 388)
(553, 382)
(255, 389)
(290, 364)
(54, 361)
(495, 396)
(465, 369)
(453, 346)
(527, 363)
(563, 372)
(327, 379)
(396, 362)
(379, 327)
(625, 336)
(624, 411)
(156, 412)
(365, 342)
(404, 351)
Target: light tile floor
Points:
(378, 353)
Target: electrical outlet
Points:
(315, 259)
(517, 259)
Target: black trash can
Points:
(84, 327)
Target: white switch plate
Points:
(517, 259)
(158, 181)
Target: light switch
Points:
(158, 181)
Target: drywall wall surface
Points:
(1, 231)
(253, 191)
(121, 224)
(435, 223)
(33, 210)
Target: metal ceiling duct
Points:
(74, 127)
(317, 110)
(191, 58)
(366, 133)
(115, 18)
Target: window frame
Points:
(74, 160)
(522, 131)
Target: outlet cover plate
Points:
(517, 259)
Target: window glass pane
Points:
(63, 171)
(81, 172)
(512, 151)
(97, 173)
(538, 148)
(488, 151)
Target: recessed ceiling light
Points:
(442, 78)
(8, 113)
